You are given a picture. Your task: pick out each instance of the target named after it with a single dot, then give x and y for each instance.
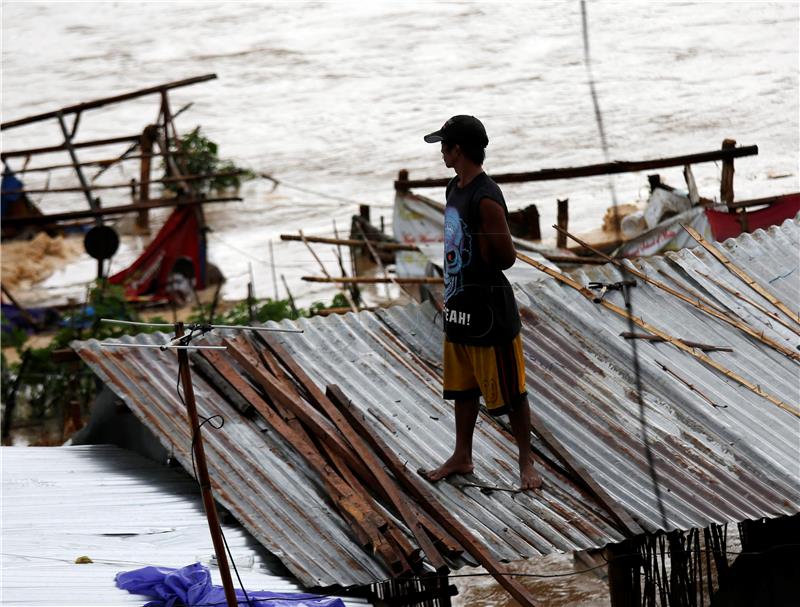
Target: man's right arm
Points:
(494, 242)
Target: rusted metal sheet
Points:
(275, 494)
(712, 464)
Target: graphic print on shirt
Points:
(457, 252)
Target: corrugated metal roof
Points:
(279, 499)
(118, 508)
(714, 464)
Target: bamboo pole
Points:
(741, 274)
(756, 389)
(328, 276)
(696, 303)
(426, 280)
(757, 306)
(353, 242)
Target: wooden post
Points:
(726, 181)
(562, 220)
(149, 135)
(532, 219)
(202, 473)
(624, 584)
(402, 177)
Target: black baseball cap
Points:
(460, 129)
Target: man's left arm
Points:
(495, 244)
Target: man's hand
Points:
(494, 241)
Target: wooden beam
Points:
(117, 186)
(356, 444)
(118, 210)
(428, 501)
(425, 280)
(593, 170)
(88, 105)
(352, 242)
(100, 162)
(62, 147)
(769, 200)
(364, 521)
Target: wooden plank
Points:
(441, 539)
(697, 303)
(364, 520)
(428, 501)
(755, 388)
(363, 451)
(741, 274)
(592, 170)
(770, 200)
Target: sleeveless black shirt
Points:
(479, 305)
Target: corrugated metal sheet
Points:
(121, 510)
(714, 464)
(275, 495)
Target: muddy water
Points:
(336, 97)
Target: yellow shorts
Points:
(496, 372)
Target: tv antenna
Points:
(182, 343)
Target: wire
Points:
(280, 182)
(625, 276)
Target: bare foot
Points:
(452, 466)
(529, 478)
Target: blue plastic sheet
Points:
(191, 586)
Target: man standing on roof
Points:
(482, 346)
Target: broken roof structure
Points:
(120, 510)
(720, 419)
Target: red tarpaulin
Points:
(178, 241)
(727, 225)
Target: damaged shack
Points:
(323, 432)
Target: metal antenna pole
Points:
(202, 473)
